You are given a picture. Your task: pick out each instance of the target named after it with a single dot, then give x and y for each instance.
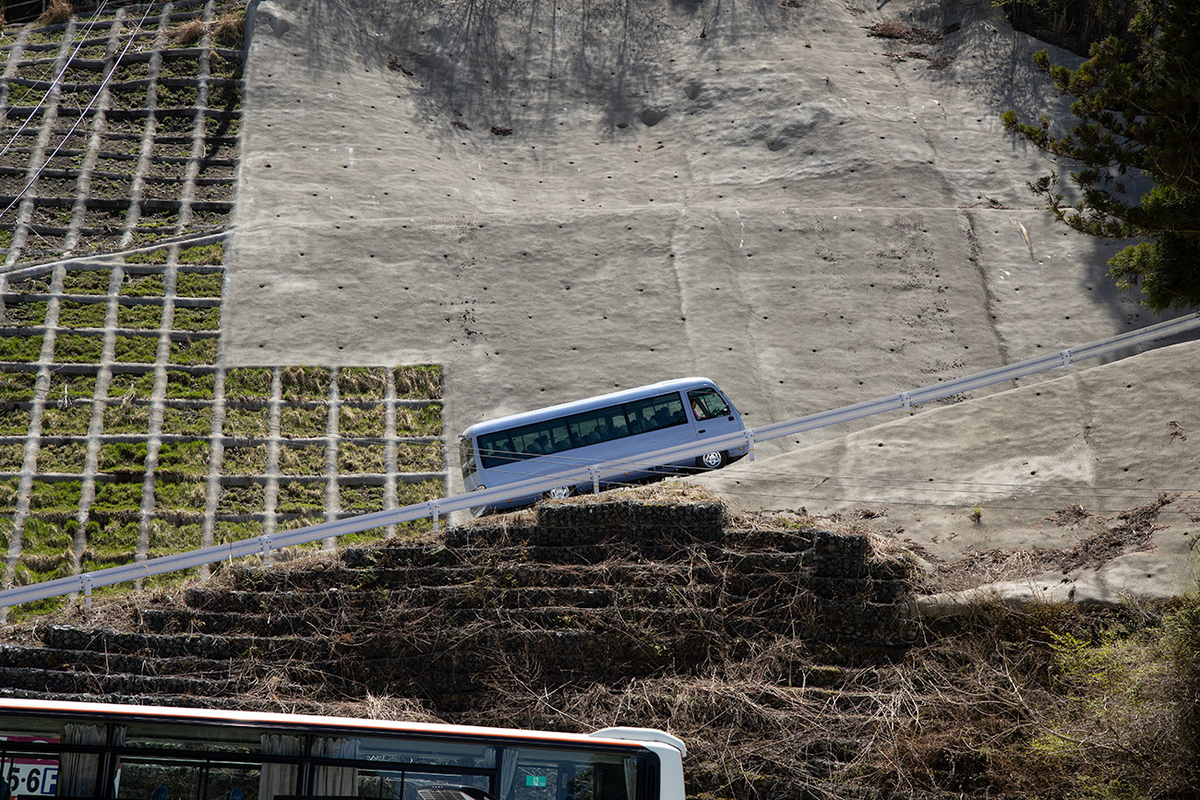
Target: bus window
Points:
(557, 775)
(653, 413)
(707, 403)
(466, 457)
(496, 450)
(602, 425)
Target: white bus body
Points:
(102, 750)
(610, 427)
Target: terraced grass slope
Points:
(123, 435)
(120, 127)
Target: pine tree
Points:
(1138, 111)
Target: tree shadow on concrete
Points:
(501, 65)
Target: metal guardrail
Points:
(595, 473)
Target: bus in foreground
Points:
(613, 427)
(96, 750)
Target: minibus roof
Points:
(585, 404)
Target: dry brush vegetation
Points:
(1043, 701)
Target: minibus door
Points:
(713, 416)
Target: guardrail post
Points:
(1066, 360)
(906, 401)
(265, 541)
(435, 510)
(750, 445)
(87, 590)
(595, 473)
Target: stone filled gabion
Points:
(839, 555)
(633, 522)
(605, 591)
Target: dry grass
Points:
(57, 12)
(188, 32)
(229, 29)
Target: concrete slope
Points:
(556, 199)
(1046, 466)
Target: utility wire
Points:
(103, 84)
(91, 23)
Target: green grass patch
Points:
(61, 497)
(217, 126)
(24, 314)
(244, 460)
(303, 423)
(12, 456)
(197, 319)
(166, 537)
(247, 423)
(24, 349)
(39, 284)
(140, 317)
(141, 384)
(48, 536)
(303, 520)
(68, 458)
(305, 383)
(368, 383)
(87, 281)
(114, 537)
(299, 497)
(204, 254)
(176, 96)
(420, 382)
(184, 458)
(421, 421)
(364, 421)
(248, 383)
(15, 421)
(39, 567)
(225, 532)
(198, 284)
(302, 459)
(113, 496)
(150, 257)
(76, 386)
(415, 527)
(142, 286)
(189, 421)
(361, 498)
(419, 457)
(17, 385)
(122, 458)
(419, 492)
(188, 496)
(128, 419)
(248, 499)
(135, 349)
(73, 420)
(72, 314)
(75, 348)
(188, 386)
(361, 458)
(193, 351)
(222, 66)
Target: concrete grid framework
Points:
(119, 128)
(123, 435)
